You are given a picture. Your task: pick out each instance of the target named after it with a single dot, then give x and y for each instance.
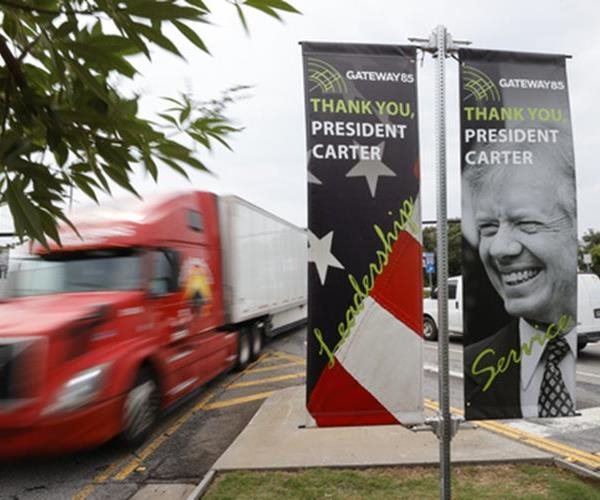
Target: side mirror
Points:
(434, 293)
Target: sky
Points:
(268, 164)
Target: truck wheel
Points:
(257, 341)
(429, 328)
(244, 349)
(140, 409)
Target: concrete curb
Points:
(202, 485)
(408, 465)
(576, 468)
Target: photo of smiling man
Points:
(525, 237)
(519, 228)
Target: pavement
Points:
(282, 435)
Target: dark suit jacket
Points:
(502, 399)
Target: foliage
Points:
(454, 248)
(590, 244)
(65, 124)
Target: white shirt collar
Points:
(526, 334)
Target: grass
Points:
(468, 482)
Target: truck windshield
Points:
(75, 272)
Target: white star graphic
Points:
(372, 170)
(312, 179)
(319, 252)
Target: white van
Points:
(588, 310)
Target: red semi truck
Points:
(150, 301)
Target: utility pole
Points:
(439, 44)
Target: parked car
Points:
(588, 309)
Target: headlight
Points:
(78, 391)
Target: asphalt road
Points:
(582, 434)
(588, 372)
(187, 442)
(190, 438)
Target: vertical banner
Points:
(519, 236)
(364, 275)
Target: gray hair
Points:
(558, 157)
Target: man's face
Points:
(527, 243)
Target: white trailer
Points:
(263, 266)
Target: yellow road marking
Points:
(238, 401)
(156, 442)
(290, 357)
(569, 453)
(103, 476)
(280, 366)
(98, 479)
(153, 446)
(85, 492)
(268, 380)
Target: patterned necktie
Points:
(554, 400)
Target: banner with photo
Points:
(519, 231)
(364, 275)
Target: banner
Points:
(519, 236)
(364, 275)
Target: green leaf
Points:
(174, 150)
(193, 162)
(120, 177)
(242, 17)
(272, 4)
(97, 57)
(201, 138)
(171, 163)
(89, 80)
(166, 11)
(85, 183)
(129, 28)
(25, 215)
(9, 24)
(69, 26)
(191, 35)
(102, 179)
(158, 38)
(114, 44)
(150, 165)
(265, 10)
(59, 214)
(49, 225)
(97, 28)
(198, 3)
(169, 118)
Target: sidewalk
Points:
(275, 439)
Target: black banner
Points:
(519, 236)
(364, 276)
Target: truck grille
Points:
(21, 370)
(6, 372)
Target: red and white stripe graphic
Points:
(377, 375)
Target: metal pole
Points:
(445, 434)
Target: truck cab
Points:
(97, 335)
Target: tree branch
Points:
(28, 8)
(12, 64)
(39, 10)
(6, 107)
(29, 46)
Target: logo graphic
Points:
(196, 280)
(324, 77)
(479, 85)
